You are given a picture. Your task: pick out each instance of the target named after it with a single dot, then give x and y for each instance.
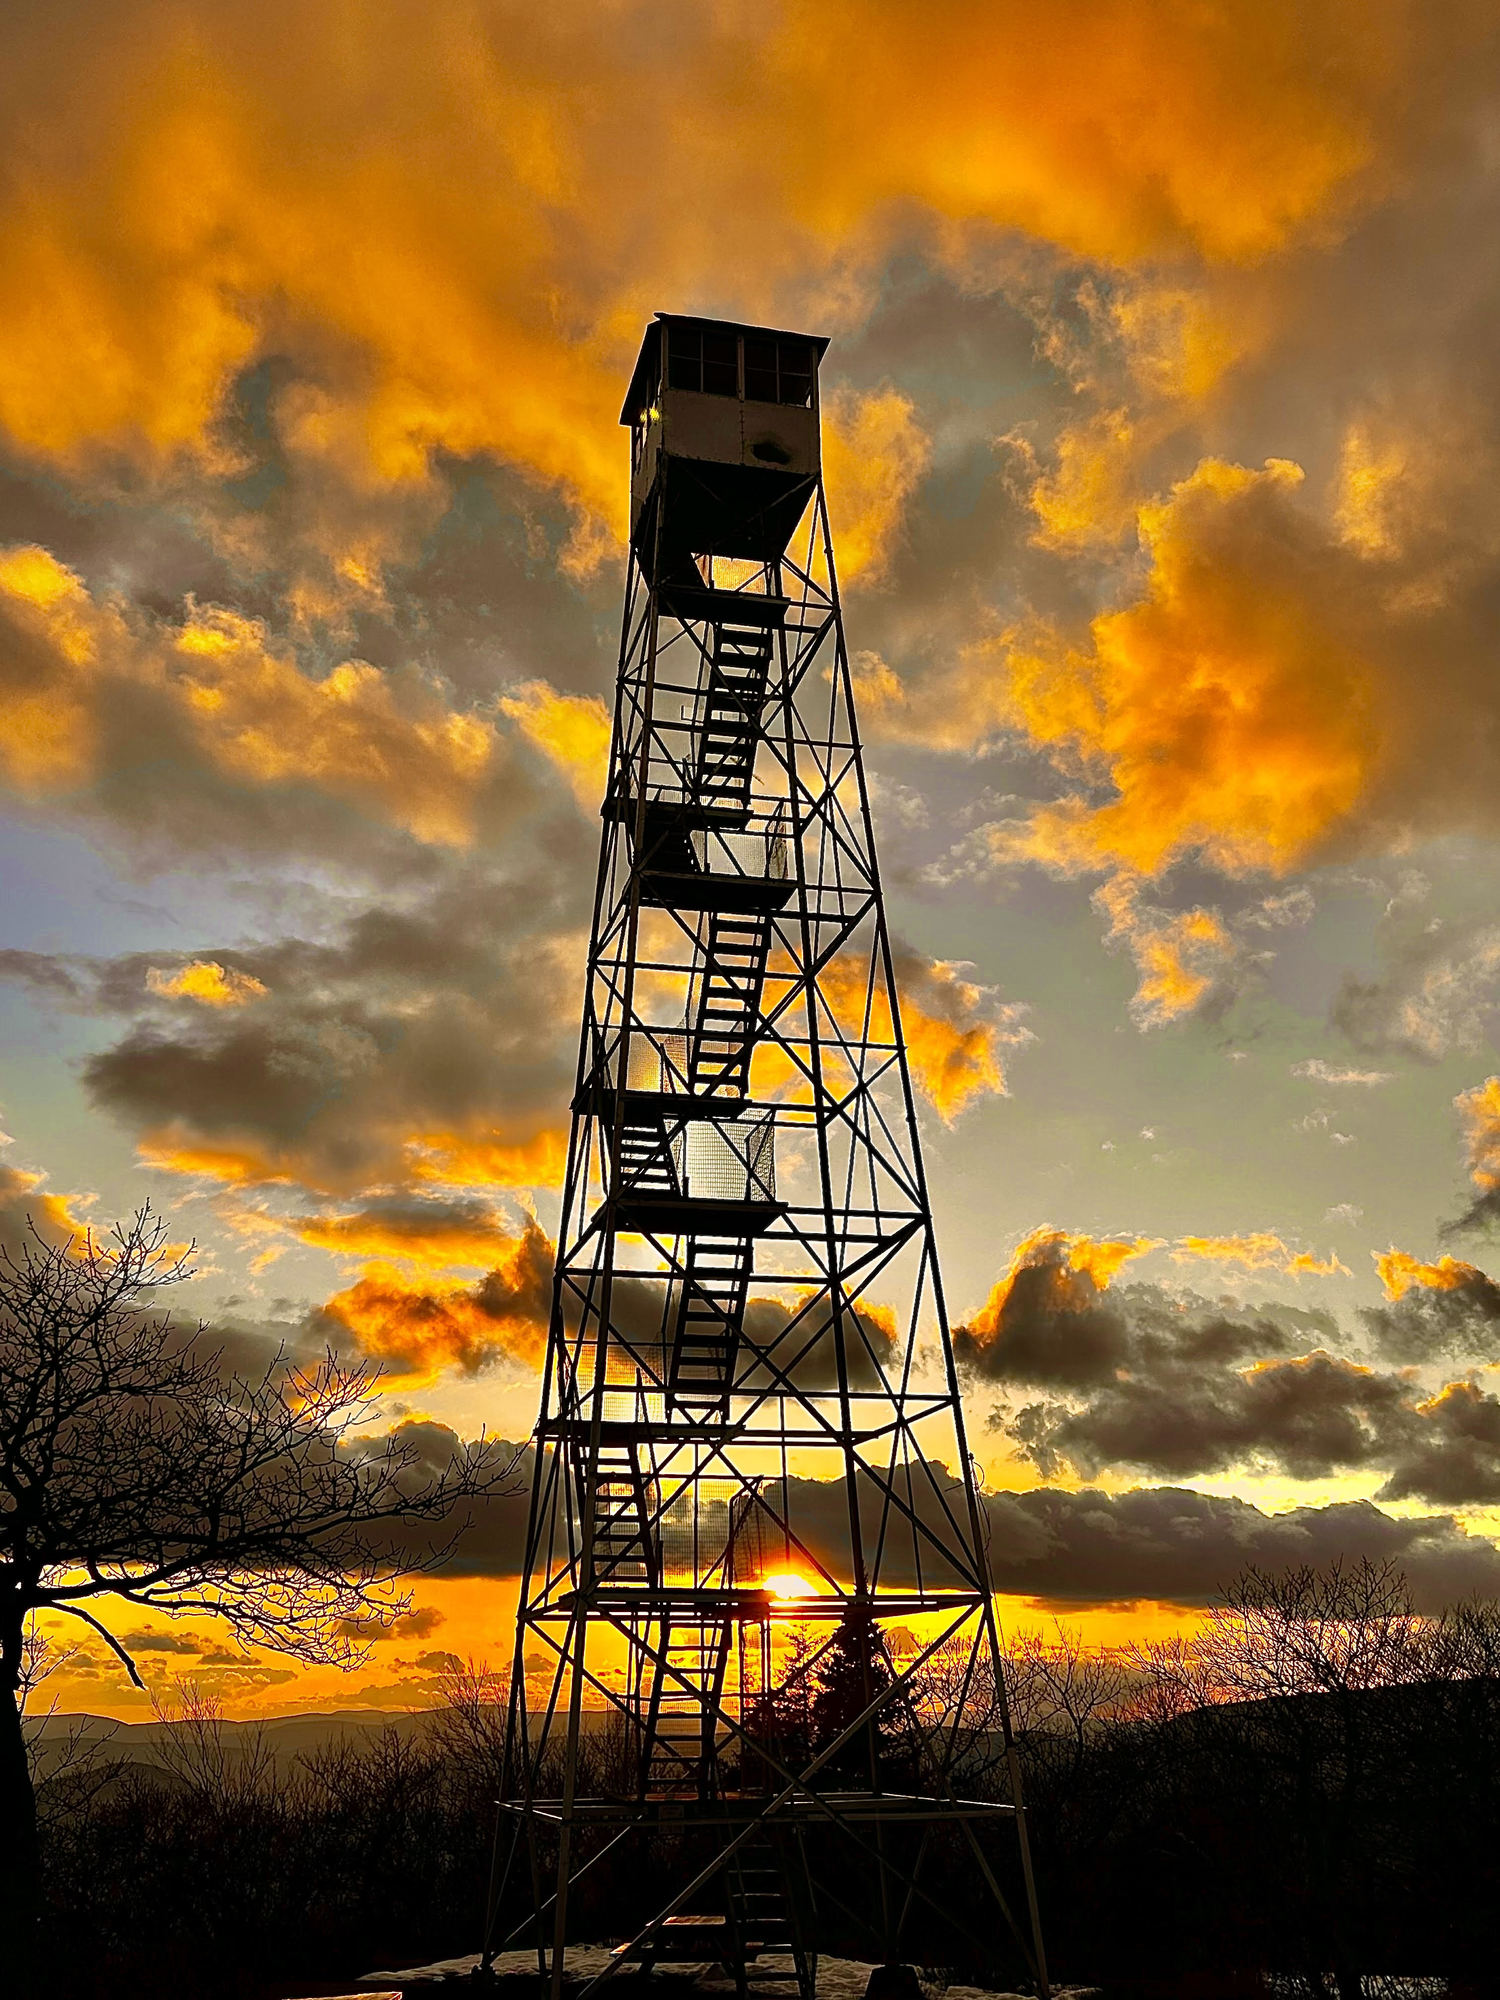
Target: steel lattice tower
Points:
(750, 1418)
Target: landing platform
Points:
(515, 1977)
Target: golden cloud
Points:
(232, 699)
(435, 1235)
(573, 730)
(1229, 718)
(206, 981)
(453, 217)
(424, 1330)
(1399, 1272)
(27, 1211)
(1258, 1251)
(1179, 957)
(1072, 1270)
(956, 1030)
(1479, 1109)
(874, 456)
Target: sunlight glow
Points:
(786, 1585)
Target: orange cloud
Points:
(1227, 716)
(573, 730)
(435, 1235)
(451, 218)
(1399, 1271)
(423, 1331)
(1179, 957)
(1074, 1268)
(446, 1158)
(25, 1211)
(461, 1159)
(206, 981)
(956, 1030)
(246, 708)
(1258, 1251)
(875, 454)
(1479, 1109)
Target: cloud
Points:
(1316, 1070)
(27, 1211)
(1445, 1308)
(418, 1624)
(956, 1030)
(1044, 1321)
(1479, 1109)
(1437, 994)
(1169, 1388)
(197, 206)
(1055, 1319)
(875, 455)
(1181, 958)
(1073, 1548)
(1223, 713)
(573, 730)
(1174, 1545)
(422, 1330)
(183, 1643)
(1259, 1251)
(1188, 1414)
(415, 1045)
(205, 981)
(434, 1232)
(101, 698)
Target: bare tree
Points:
(133, 1468)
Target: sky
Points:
(1162, 436)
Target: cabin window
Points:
(709, 362)
(778, 371)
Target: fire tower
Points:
(754, 1527)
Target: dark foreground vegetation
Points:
(1309, 1791)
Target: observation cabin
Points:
(724, 451)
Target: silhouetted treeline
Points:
(1304, 1800)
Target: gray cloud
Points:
(1428, 1322)
(1169, 1543)
(444, 1021)
(1070, 1549)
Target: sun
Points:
(786, 1585)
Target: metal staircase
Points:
(732, 704)
(763, 1925)
(646, 1163)
(682, 1735)
(709, 1320)
(626, 1545)
(735, 953)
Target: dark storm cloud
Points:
(1073, 1549)
(1179, 1546)
(1308, 1417)
(1454, 1457)
(1460, 1319)
(1055, 1328)
(417, 1040)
